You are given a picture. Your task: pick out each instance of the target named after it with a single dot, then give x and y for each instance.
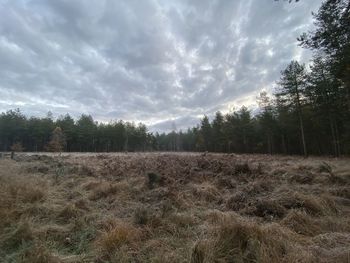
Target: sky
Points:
(164, 63)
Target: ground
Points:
(172, 207)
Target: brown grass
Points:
(301, 223)
(174, 208)
(234, 240)
(102, 190)
(122, 234)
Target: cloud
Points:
(153, 61)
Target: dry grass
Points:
(301, 223)
(196, 208)
(114, 238)
(103, 190)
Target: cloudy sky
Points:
(156, 61)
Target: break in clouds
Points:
(159, 62)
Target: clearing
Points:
(174, 207)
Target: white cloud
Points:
(154, 61)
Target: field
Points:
(174, 207)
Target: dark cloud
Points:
(160, 62)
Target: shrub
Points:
(153, 179)
(242, 168)
(141, 216)
(17, 147)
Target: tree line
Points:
(309, 112)
(82, 135)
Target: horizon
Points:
(55, 117)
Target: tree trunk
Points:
(302, 134)
(284, 145)
(337, 138)
(334, 139)
(300, 119)
(269, 148)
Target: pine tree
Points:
(331, 38)
(266, 118)
(218, 135)
(206, 133)
(324, 93)
(292, 85)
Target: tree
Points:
(12, 128)
(175, 139)
(17, 147)
(245, 128)
(57, 142)
(325, 96)
(66, 123)
(266, 119)
(206, 133)
(217, 132)
(292, 84)
(39, 132)
(86, 130)
(331, 38)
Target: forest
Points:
(307, 114)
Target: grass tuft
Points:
(118, 236)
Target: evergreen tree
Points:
(332, 38)
(292, 84)
(206, 133)
(217, 132)
(325, 96)
(66, 123)
(266, 119)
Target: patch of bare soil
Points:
(171, 207)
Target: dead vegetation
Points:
(195, 208)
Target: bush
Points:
(153, 179)
(17, 147)
(141, 216)
(242, 168)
